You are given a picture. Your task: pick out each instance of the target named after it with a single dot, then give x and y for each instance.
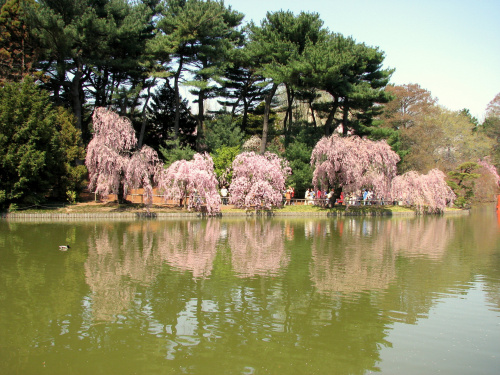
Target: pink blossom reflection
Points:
(190, 246)
(357, 255)
(118, 261)
(257, 248)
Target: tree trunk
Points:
(345, 117)
(75, 97)
(177, 98)
(244, 119)
(200, 120)
(144, 117)
(267, 111)
(291, 97)
(312, 113)
(331, 116)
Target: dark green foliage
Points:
(275, 48)
(462, 182)
(242, 88)
(298, 155)
(174, 151)
(35, 144)
(223, 158)
(161, 120)
(92, 49)
(392, 136)
(17, 50)
(255, 119)
(222, 131)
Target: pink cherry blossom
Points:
(486, 164)
(193, 179)
(111, 161)
(353, 163)
(258, 180)
(427, 193)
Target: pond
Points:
(344, 295)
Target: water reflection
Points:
(190, 245)
(117, 262)
(234, 296)
(354, 255)
(257, 248)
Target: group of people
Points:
(365, 197)
(318, 197)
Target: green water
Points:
(252, 296)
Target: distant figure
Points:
(288, 196)
(64, 247)
(223, 193)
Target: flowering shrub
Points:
(353, 163)
(193, 179)
(258, 180)
(252, 144)
(428, 193)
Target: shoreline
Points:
(197, 215)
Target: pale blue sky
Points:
(449, 47)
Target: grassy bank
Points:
(113, 207)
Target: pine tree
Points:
(17, 50)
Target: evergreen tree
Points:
(32, 158)
(17, 50)
(352, 74)
(92, 50)
(242, 89)
(198, 35)
(276, 45)
(161, 116)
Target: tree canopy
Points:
(38, 146)
(189, 76)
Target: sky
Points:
(449, 47)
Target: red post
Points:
(498, 202)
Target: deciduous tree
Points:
(194, 179)
(410, 104)
(428, 193)
(258, 180)
(353, 163)
(443, 140)
(113, 165)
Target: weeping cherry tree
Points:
(426, 192)
(353, 163)
(113, 164)
(194, 179)
(258, 180)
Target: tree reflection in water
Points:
(240, 295)
(190, 245)
(360, 254)
(257, 248)
(119, 260)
